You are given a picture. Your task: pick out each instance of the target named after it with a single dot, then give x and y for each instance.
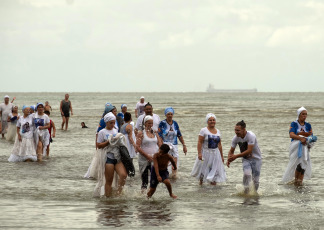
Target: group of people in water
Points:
(155, 144)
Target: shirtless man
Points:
(65, 108)
(47, 107)
(159, 171)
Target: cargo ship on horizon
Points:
(211, 89)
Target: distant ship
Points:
(211, 89)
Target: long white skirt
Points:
(23, 150)
(44, 137)
(304, 161)
(11, 132)
(211, 168)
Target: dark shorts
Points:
(111, 161)
(154, 181)
(66, 113)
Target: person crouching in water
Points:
(159, 171)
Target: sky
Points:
(161, 45)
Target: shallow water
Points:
(54, 195)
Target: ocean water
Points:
(54, 195)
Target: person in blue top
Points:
(299, 165)
(123, 111)
(169, 131)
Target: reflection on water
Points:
(154, 213)
(117, 212)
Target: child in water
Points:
(159, 171)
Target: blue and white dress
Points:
(170, 134)
(211, 168)
(304, 159)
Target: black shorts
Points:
(111, 161)
(66, 114)
(154, 181)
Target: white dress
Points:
(149, 146)
(211, 168)
(294, 160)
(12, 128)
(41, 134)
(25, 149)
(130, 147)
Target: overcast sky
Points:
(166, 45)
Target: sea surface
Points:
(54, 195)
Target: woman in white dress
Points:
(13, 117)
(209, 165)
(147, 144)
(24, 146)
(128, 130)
(301, 134)
(41, 134)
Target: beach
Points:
(54, 195)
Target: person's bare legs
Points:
(39, 151)
(109, 174)
(174, 172)
(47, 151)
(169, 187)
(66, 123)
(121, 171)
(151, 192)
(63, 122)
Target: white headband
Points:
(301, 109)
(109, 117)
(209, 115)
(147, 118)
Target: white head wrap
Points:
(147, 118)
(301, 109)
(209, 115)
(109, 117)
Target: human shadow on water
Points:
(113, 213)
(155, 213)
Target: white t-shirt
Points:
(249, 139)
(211, 140)
(156, 122)
(140, 108)
(40, 120)
(103, 136)
(5, 109)
(26, 126)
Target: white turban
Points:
(109, 117)
(301, 109)
(147, 118)
(209, 115)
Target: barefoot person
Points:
(301, 135)
(147, 144)
(209, 165)
(24, 146)
(41, 134)
(159, 171)
(5, 109)
(139, 109)
(65, 108)
(12, 127)
(169, 131)
(52, 132)
(250, 153)
(112, 164)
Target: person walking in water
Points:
(250, 153)
(139, 109)
(65, 108)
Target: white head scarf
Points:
(301, 109)
(147, 118)
(109, 117)
(209, 115)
